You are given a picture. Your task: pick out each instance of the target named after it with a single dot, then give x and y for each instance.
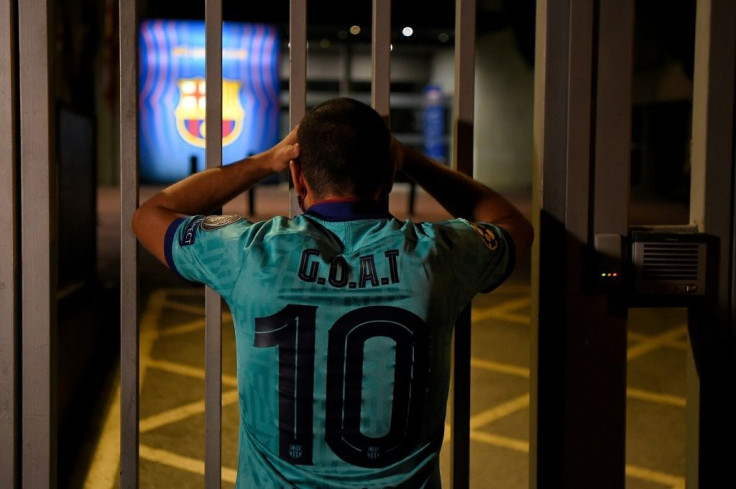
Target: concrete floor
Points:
(172, 388)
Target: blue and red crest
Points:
(191, 110)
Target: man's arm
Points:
(464, 197)
(204, 192)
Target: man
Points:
(343, 315)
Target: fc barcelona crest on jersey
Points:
(295, 451)
(191, 110)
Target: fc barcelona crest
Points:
(190, 113)
(295, 451)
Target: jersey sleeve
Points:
(482, 254)
(208, 249)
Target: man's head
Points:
(345, 151)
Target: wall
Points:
(503, 109)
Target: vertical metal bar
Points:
(213, 303)
(297, 73)
(38, 267)
(712, 326)
(297, 61)
(579, 370)
(579, 132)
(129, 198)
(549, 296)
(613, 114)
(381, 58)
(595, 371)
(464, 103)
(9, 283)
(463, 117)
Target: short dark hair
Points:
(345, 150)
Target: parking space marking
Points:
(188, 371)
(677, 344)
(508, 310)
(181, 307)
(183, 328)
(181, 462)
(504, 311)
(182, 412)
(656, 397)
(649, 475)
(500, 441)
(499, 411)
(504, 368)
(103, 469)
(656, 341)
(105, 463)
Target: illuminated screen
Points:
(173, 95)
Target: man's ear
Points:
(297, 177)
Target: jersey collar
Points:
(348, 209)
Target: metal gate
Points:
(581, 96)
(380, 95)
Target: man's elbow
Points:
(523, 236)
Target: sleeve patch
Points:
(189, 234)
(211, 223)
(488, 237)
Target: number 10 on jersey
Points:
(292, 331)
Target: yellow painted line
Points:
(632, 393)
(504, 368)
(190, 326)
(514, 304)
(500, 441)
(105, 465)
(197, 310)
(656, 341)
(149, 327)
(181, 462)
(182, 412)
(491, 439)
(677, 344)
(188, 371)
(654, 476)
(500, 411)
(182, 328)
(103, 469)
(504, 309)
(656, 397)
(636, 472)
(514, 318)
(680, 345)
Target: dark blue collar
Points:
(349, 210)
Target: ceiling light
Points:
(407, 31)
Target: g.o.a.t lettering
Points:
(338, 272)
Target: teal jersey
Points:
(343, 321)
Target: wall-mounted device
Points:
(667, 265)
(653, 265)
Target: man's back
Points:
(343, 316)
(343, 322)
